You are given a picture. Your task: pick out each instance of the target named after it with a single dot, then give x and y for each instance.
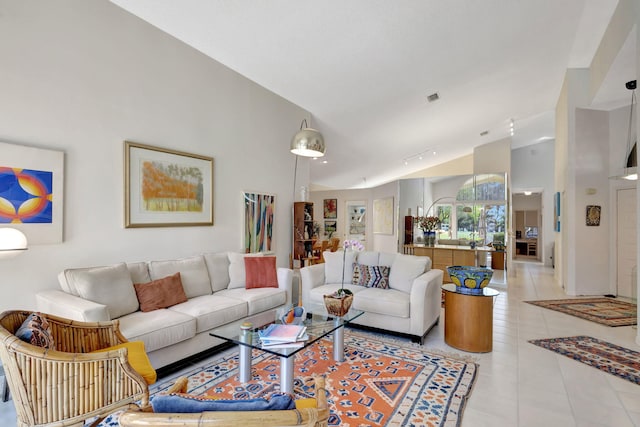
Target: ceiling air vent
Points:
(484, 133)
(433, 97)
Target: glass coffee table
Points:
(319, 325)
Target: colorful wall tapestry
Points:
(259, 212)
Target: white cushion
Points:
(368, 258)
(193, 273)
(157, 328)
(237, 273)
(389, 302)
(139, 272)
(110, 285)
(404, 270)
(387, 258)
(257, 299)
(211, 311)
(218, 266)
(333, 262)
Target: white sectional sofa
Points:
(411, 304)
(214, 284)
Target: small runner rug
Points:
(381, 382)
(606, 311)
(607, 357)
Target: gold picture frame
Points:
(181, 193)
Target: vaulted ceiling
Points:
(364, 69)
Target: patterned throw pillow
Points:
(371, 276)
(36, 331)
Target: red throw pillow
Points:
(160, 293)
(261, 272)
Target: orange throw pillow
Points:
(160, 293)
(261, 272)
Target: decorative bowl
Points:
(470, 278)
(294, 315)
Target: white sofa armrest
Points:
(65, 305)
(311, 277)
(285, 282)
(425, 301)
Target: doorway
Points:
(527, 245)
(627, 247)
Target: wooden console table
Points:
(443, 256)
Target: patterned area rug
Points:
(381, 383)
(607, 357)
(606, 311)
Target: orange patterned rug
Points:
(381, 383)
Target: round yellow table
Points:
(468, 319)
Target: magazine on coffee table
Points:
(280, 333)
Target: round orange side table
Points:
(468, 319)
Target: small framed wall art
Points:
(166, 188)
(330, 208)
(383, 216)
(593, 215)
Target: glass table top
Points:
(319, 325)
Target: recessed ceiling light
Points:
(433, 97)
(325, 161)
(527, 193)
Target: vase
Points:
(338, 306)
(430, 238)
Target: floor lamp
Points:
(12, 242)
(307, 142)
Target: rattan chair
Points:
(311, 417)
(66, 386)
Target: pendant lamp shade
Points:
(307, 142)
(12, 242)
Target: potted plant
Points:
(339, 302)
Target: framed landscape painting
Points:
(259, 214)
(166, 188)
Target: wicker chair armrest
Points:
(311, 417)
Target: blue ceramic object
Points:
(470, 278)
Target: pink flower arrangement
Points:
(354, 245)
(428, 223)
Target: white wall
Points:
(82, 77)
(591, 173)
(374, 242)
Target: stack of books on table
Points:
(277, 336)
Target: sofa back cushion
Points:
(237, 271)
(193, 273)
(405, 269)
(333, 262)
(109, 285)
(139, 272)
(387, 258)
(368, 258)
(218, 266)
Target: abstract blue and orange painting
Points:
(26, 196)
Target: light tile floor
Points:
(523, 385)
